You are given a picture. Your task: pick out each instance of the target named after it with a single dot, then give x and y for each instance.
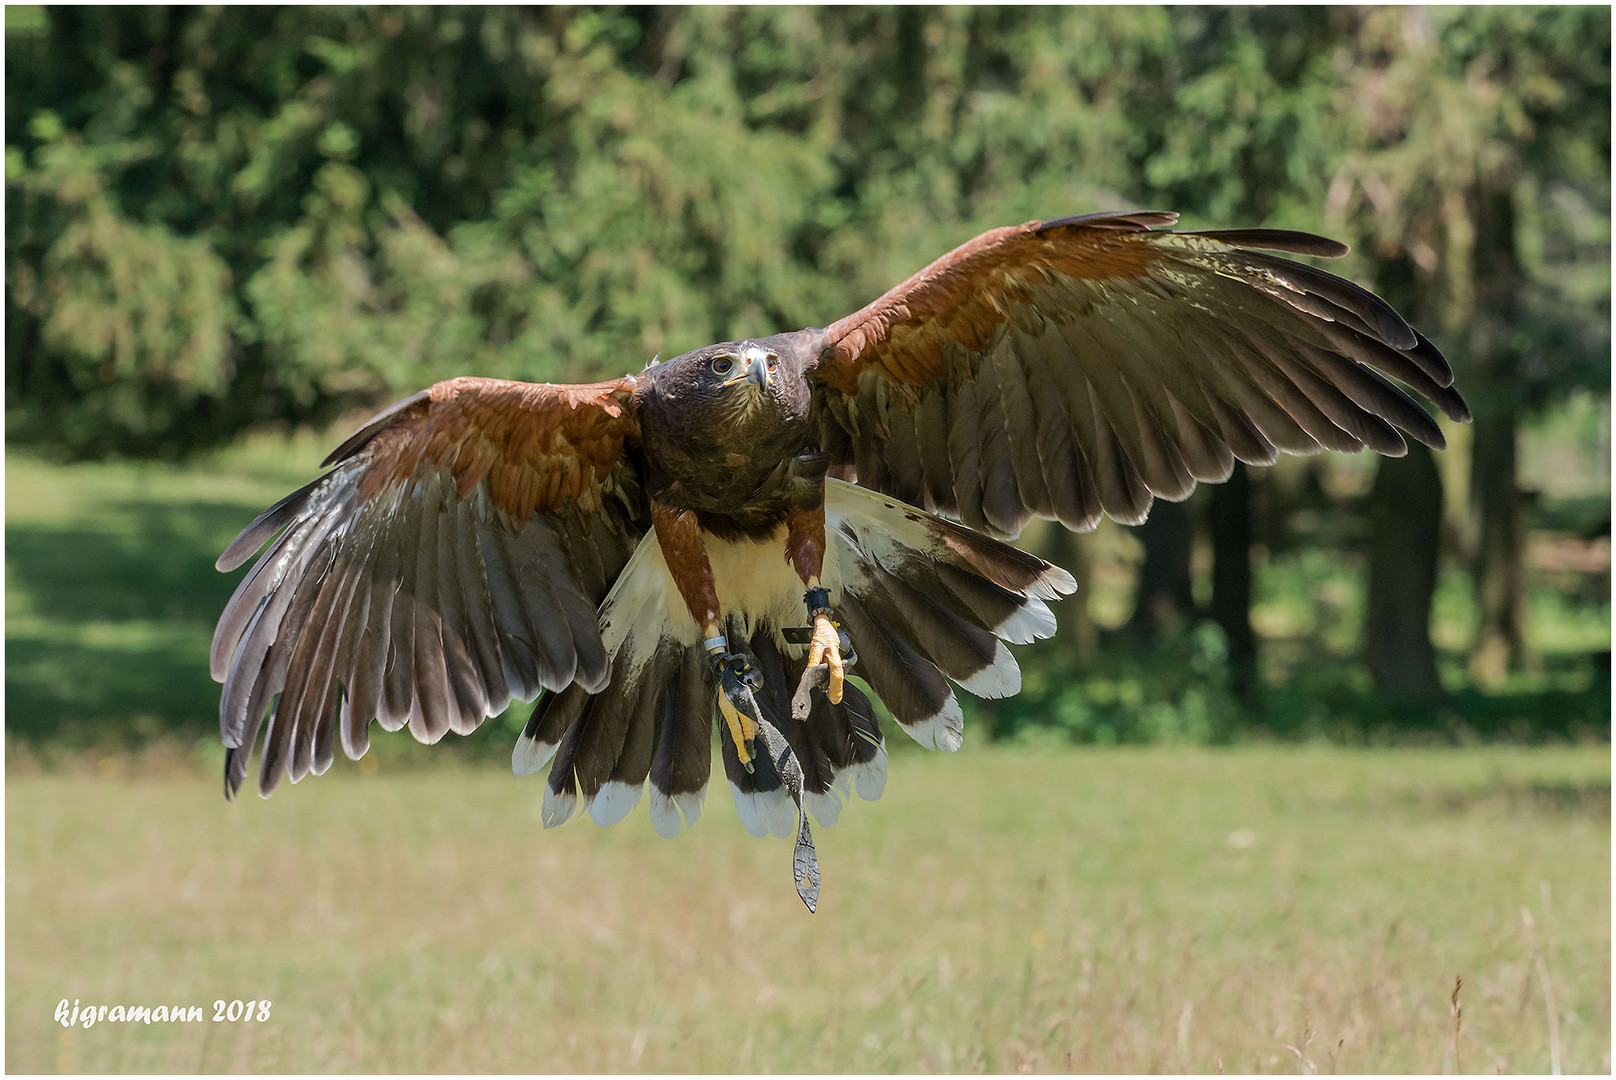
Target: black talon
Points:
(739, 665)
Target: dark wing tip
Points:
(1430, 359)
(1289, 241)
(1454, 406)
(238, 552)
(1122, 220)
(1377, 316)
(265, 525)
(356, 442)
(235, 771)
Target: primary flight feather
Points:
(640, 550)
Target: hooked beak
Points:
(754, 365)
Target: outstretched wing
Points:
(451, 560)
(1087, 365)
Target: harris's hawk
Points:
(641, 550)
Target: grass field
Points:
(111, 593)
(1258, 909)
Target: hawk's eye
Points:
(721, 365)
(774, 362)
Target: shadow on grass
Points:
(1567, 799)
(151, 561)
(108, 622)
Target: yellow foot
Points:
(824, 648)
(735, 709)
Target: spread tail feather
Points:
(924, 601)
(925, 598)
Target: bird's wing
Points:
(1083, 366)
(451, 560)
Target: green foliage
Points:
(231, 215)
(139, 319)
(1178, 692)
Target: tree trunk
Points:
(1405, 518)
(1500, 570)
(1164, 598)
(1232, 524)
(1075, 628)
(1500, 644)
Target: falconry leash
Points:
(735, 697)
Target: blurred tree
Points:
(1483, 134)
(222, 217)
(1230, 517)
(1237, 136)
(238, 215)
(1076, 633)
(1164, 598)
(1405, 523)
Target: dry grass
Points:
(1159, 910)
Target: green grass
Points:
(998, 910)
(111, 595)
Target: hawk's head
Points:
(735, 383)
